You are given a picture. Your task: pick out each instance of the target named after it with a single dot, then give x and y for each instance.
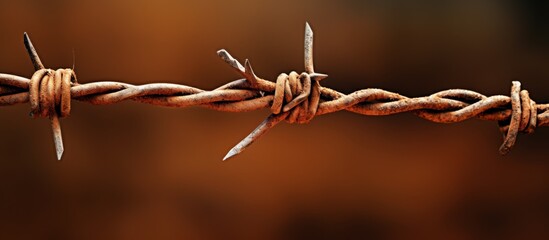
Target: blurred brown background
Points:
(133, 171)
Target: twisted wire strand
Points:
(296, 98)
(448, 106)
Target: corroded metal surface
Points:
(294, 97)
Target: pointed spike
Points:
(318, 76)
(57, 137)
(60, 153)
(308, 27)
(250, 75)
(223, 54)
(309, 67)
(233, 152)
(32, 52)
(263, 128)
(248, 67)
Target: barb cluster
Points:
(296, 98)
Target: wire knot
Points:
(524, 115)
(50, 92)
(297, 96)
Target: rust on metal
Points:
(294, 98)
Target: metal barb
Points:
(274, 119)
(225, 56)
(309, 66)
(57, 137)
(263, 128)
(249, 73)
(32, 53)
(54, 119)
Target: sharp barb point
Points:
(221, 52)
(60, 154)
(309, 66)
(224, 54)
(318, 76)
(57, 137)
(32, 52)
(250, 75)
(248, 66)
(233, 152)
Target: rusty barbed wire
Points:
(296, 98)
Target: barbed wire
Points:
(293, 97)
